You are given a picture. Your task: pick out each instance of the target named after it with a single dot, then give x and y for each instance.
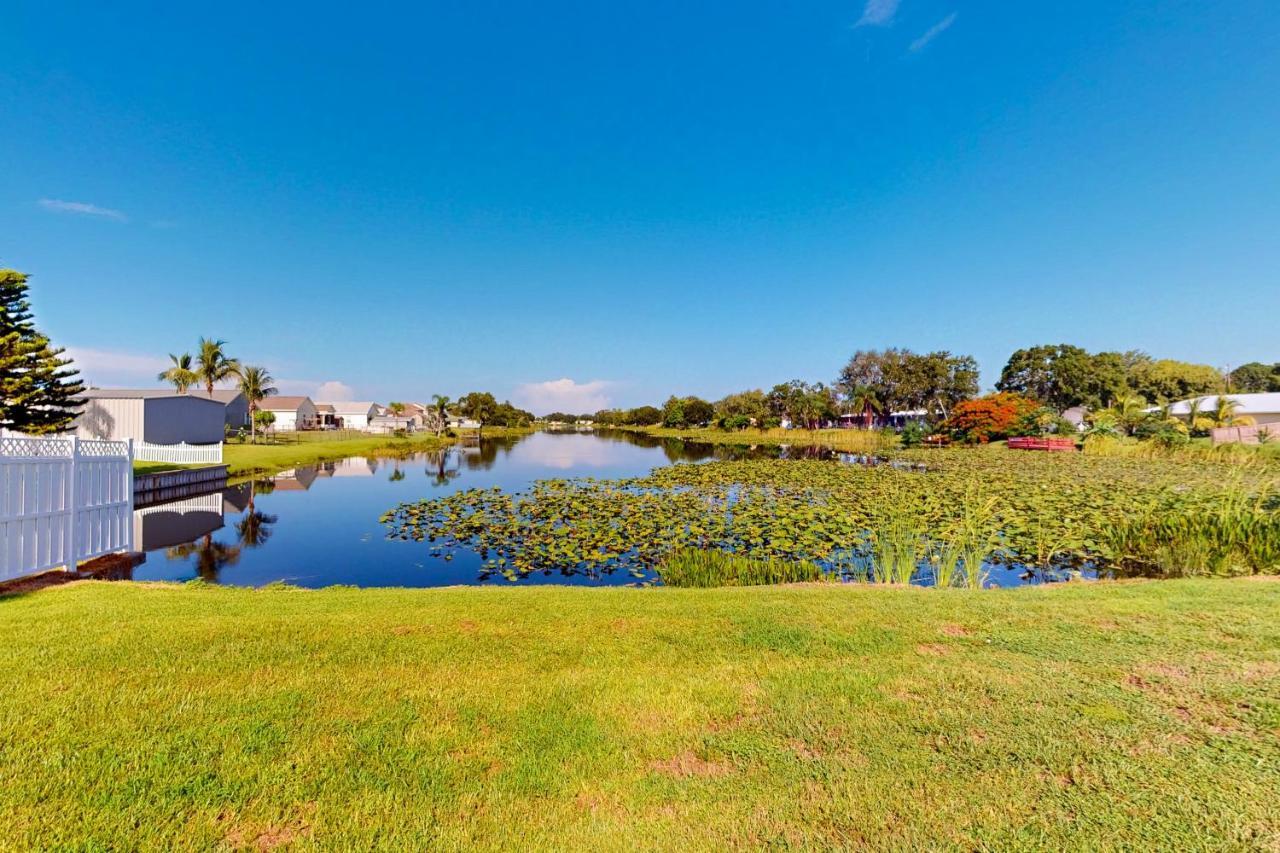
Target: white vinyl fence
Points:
(63, 500)
(179, 454)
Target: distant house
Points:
(348, 415)
(235, 403)
(292, 413)
(1078, 416)
(388, 424)
(1262, 409)
(459, 422)
(158, 417)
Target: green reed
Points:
(696, 567)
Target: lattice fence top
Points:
(61, 448)
(12, 446)
(104, 448)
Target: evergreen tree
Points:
(38, 387)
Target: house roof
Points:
(1246, 404)
(347, 407)
(282, 404)
(324, 407)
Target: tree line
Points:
(1053, 378)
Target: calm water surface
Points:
(319, 525)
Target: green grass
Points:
(1139, 715)
(853, 440)
(308, 448)
(244, 459)
(156, 467)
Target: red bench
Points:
(1029, 442)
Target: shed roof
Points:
(142, 394)
(1247, 404)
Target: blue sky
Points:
(639, 198)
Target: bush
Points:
(914, 434)
(1044, 421)
(987, 418)
(735, 422)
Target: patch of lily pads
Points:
(1039, 512)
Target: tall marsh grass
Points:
(695, 567)
(1238, 534)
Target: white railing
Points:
(179, 454)
(62, 500)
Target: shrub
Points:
(1043, 421)
(735, 422)
(914, 434)
(987, 418)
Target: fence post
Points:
(72, 497)
(128, 485)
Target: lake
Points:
(319, 525)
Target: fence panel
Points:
(62, 501)
(178, 454)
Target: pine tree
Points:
(38, 387)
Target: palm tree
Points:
(1224, 411)
(213, 365)
(442, 403)
(255, 385)
(179, 374)
(395, 408)
(864, 403)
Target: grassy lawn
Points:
(156, 467)
(243, 459)
(308, 448)
(1135, 715)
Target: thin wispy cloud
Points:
(878, 13)
(932, 33)
(82, 208)
(116, 367)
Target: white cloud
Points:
(111, 367)
(932, 33)
(563, 395)
(878, 13)
(81, 208)
(330, 390)
(334, 390)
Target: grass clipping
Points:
(695, 567)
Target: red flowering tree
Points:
(987, 418)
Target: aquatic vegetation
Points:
(929, 515)
(698, 567)
(1237, 534)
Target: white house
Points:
(349, 415)
(158, 417)
(292, 413)
(1262, 409)
(459, 422)
(386, 424)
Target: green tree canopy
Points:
(1166, 380)
(38, 387)
(1063, 375)
(1255, 378)
(902, 380)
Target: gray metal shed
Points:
(237, 406)
(159, 417)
